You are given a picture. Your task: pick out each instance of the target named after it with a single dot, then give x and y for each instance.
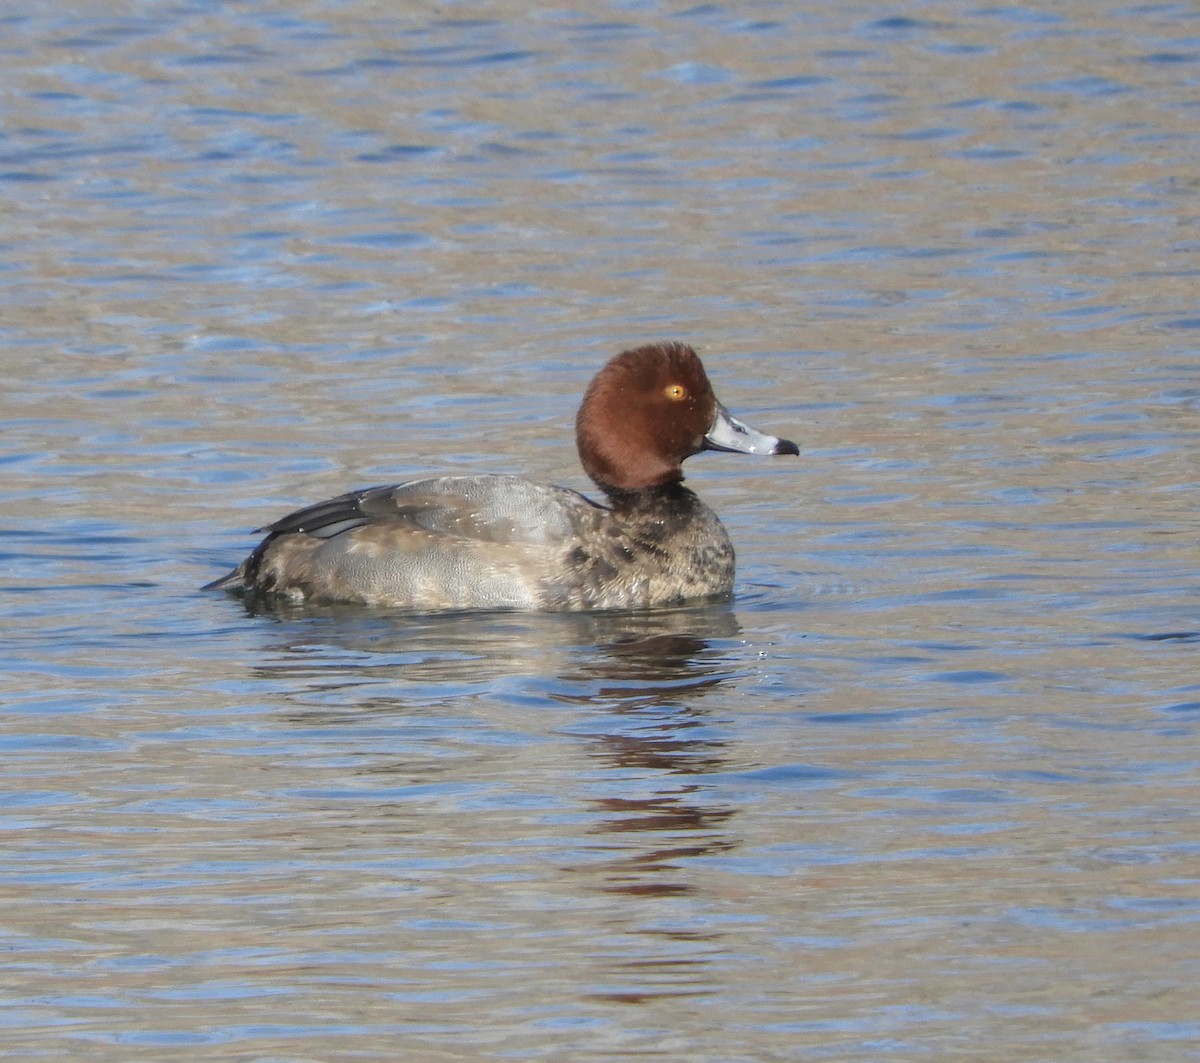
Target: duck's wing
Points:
(488, 508)
(480, 509)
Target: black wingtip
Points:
(226, 582)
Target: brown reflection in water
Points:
(663, 678)
(682, 976)
(650, 871)
(669, 752)
(671, 655)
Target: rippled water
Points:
(926, 789)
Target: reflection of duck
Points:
(655, 727)
(670, 827)
(597, 697)
(665, 738)
(488, 542)
(604, 659)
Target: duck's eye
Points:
(675, 392)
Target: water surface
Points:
(926, 788)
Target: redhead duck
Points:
(497, 542)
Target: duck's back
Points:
(472, 542)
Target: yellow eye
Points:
(675, 392)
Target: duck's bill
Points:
(728, 433)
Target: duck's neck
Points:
(671, 497)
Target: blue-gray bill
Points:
(729, 434)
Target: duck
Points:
(493, 541)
